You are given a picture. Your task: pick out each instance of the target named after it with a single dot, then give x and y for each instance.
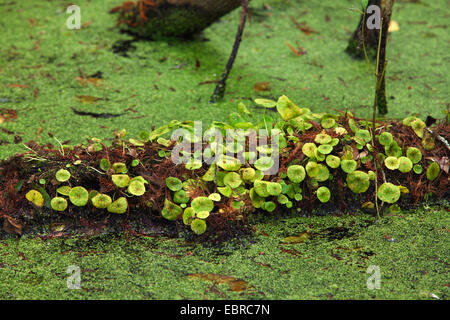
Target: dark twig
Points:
(220, 88)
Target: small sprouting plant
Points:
(35, 197)
(101, 201)
(358, 181)
(119, 206)
(79, 196)
(119, 167)
(198, 226)
(433, 171)
(296, 173)
(120, 180)
(348, 166)
(104, 164)
(323, 194)
(58, 204)
(389, 192)
(62, 175)
(64, 190)
(174, 184)
(136, 188)
(171, 211)
(392, 163)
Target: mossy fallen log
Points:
(324, 162)
(171, 18)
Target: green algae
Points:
(177, 74)
(410, 248)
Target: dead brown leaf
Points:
(235, 284)
(262, 86)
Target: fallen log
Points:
(326, 163)
(171, 18)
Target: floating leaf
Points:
(88, 99)
(266, 103)
(262, 86)
(414, 154)
(405, 165)
(348, 166)
(242, 108)
(226, 191)
(269, 206)
(302, 237)
(312, 169)
(264, 163)
(203, 214)
(385, 139)
(322, 138)
(214, 197)
(309, 149)
(417, 169)
(273, 188)
(248, 174)
(188, 215)
(333, 161)
(119, 167)
(180, 197)
(392, 163)
(159, 132)
(229, 163)
(235, 284)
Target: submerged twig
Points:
(220, 88)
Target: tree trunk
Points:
(364, 37)
(369, 39)
(172, 18)
(380, 93)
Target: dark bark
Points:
(364, 37)
(172, 18)
(369, 39)
(380, 94)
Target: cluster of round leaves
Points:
(80, 197)
(194, 215)
(394, 159)
(234, 181)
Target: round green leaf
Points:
(58, 204)
(62, 175)
(79, 196)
